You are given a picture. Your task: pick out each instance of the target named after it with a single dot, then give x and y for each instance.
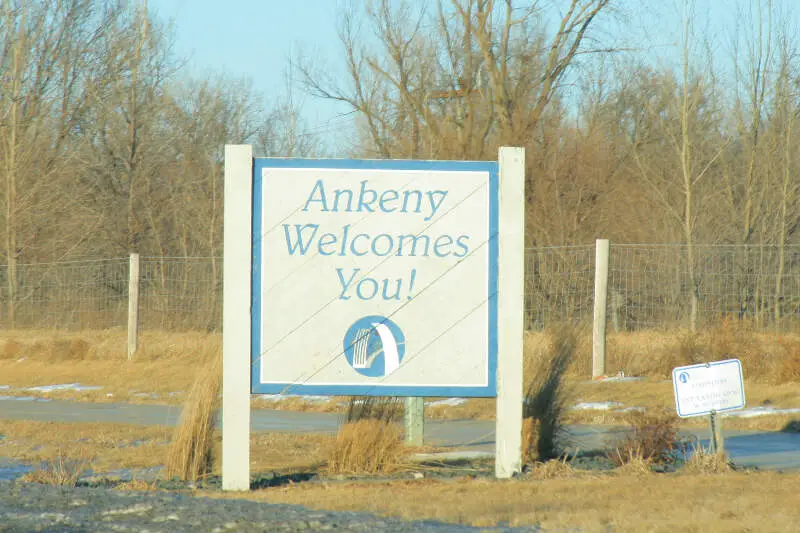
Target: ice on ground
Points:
(64, 386)
(25, 398)
(451, 402)
(760, 411)
(596, 406)
(621, 378)
(281, 397)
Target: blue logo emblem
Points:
(683, 377)
(374, 346)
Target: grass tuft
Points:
(190, 455)
(546, 395)
(703, 461)
(631, 461)
(367, 446)
(137, 485)
(553, 469)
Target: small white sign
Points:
(703, 388)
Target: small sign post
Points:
(708, 389)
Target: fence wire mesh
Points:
(648, 287)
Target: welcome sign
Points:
(374, 277)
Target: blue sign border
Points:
(677, 370)
(256, 387)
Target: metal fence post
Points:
(133, 305)
(602, 249)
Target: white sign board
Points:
(374, 277)
(703, 388)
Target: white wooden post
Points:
(510, 302)
(602, 249)
(133, 305)
(236, 317)
(415, 420)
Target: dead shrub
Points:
(653, 438)
(61, 470)
(190, 454)
(11, 349)
(367, 446)
(546, 394)
(788, 368)
(791, 427)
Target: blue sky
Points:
(255, 38)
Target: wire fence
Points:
(648, 287)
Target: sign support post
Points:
(236, 318)
(415, 421)
(510, 304)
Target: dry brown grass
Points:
(190, 456)
(112, 445)
(35, 358)
(116, 446)
(138, 485)
(663, 503)
(61, 470)
(771, 364)
(368, 446)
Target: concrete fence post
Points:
(133, 306)
(602, 251)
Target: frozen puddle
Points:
(280, 397)
(62, 387)
(451, 402)
(596, 406)
(25, 399)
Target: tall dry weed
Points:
(367, 446)
(383, 408)
(190, 454)
(546, 393)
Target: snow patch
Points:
(596, 406)
(280, 397)
(25, 399)
(63, 386)
(451, 402)
(760, 411)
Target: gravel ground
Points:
(28, 507)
